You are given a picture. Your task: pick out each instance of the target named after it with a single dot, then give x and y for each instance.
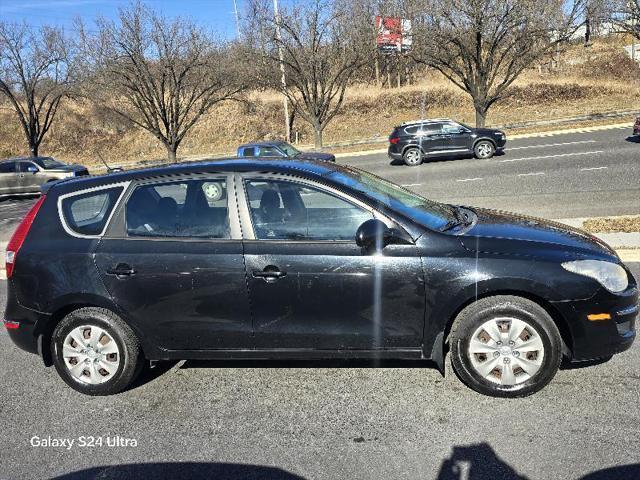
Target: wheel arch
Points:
(482, 139)
(441, 345)
(45, 330)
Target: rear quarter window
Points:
(88, 213)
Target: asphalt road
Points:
(233, 420)
(320, 420)
(560, 176)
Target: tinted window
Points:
(49, 162)
(192, 208)
(286, 210)
(7, 167)
(249, 152)
(270, 152)
(24, 166)
(88, 213)
(452, 128)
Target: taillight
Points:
(20, 235)
(394, 140)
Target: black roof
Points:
(273, 165)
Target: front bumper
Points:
(594, 339)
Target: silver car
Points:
(21, 176)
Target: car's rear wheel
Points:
(484, 149)
(95, 352)
(505, 346)
(412, 157)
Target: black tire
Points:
(484, 149)
(130, 359)
(471, 318)
(412, 157)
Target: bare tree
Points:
(625, 15)
(320, 54)
(482, 46)
(34, 76)
(162, 75)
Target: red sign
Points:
(393, 34)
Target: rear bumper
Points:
(601, 338)
(27, 324)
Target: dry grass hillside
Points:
(596, 79)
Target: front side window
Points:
(282, 210)
(88, 213)
(190, 208)
(27, 167)
(270, 152)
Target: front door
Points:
(311, 286)
(460, 140)
(174, 264)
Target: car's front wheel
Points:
(95, 352)
(412, 156)
(505, 346)
(484, 149)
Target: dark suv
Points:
(298, 259)
(413, 142)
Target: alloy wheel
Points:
(412, 157)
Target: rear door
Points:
(9, 178)
(172, 260)
(432, 138)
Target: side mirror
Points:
(32, 169)
(373, 233)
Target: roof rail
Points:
(425, 120)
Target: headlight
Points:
(610, 275)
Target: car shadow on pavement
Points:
(480, 462)
(178, 470)
(633, 139)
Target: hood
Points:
(486, 131)
(495, 231)
(327, 157)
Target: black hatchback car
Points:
(300, 259)
(415, 142)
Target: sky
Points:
(217, 15)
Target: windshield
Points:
(290, 150)
(432, 214)
(48, 162)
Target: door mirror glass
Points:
(32, 169)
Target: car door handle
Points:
(269, 274)
(121, 270)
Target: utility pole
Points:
(276, 15)
(235, 11)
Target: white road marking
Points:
(593, 168)
(551, 156)
(468, 179)
(552, 145)
(410, 184)
(530, 174)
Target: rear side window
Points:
(7, 167)
(191, 208)
(249, 152)
(88, 213)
